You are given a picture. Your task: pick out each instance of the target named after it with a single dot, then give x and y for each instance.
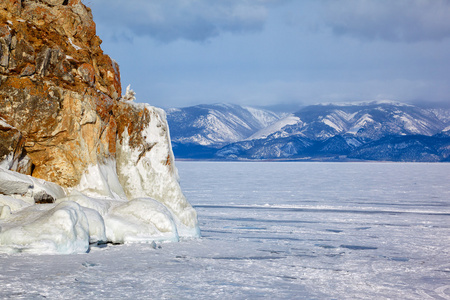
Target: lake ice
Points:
(274, 230)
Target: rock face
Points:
(63, 119)
(58, 90)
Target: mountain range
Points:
(377, 130)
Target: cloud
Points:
(170, 20)
(391, 20)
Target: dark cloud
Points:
(392, 20)
(169, 20)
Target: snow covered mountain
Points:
(197, 131)
(378, 130)
(366, 120)
(368, 130)
(216, 124)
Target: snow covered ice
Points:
(274, 231)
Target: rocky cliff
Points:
(59, 93)
(63, 119)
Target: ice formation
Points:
(152, 173)
(46, 229)
(133, 199)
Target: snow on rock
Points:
(12, 183)
(149, 170)
(73, 45)
(101, 181)
(62, 229)
(28, 188)
(45, 191)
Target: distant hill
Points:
(381, 130)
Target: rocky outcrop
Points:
(63, 119)
(57, 90)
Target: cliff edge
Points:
(68, 138)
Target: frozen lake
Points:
(274, 231)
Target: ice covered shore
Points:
(134, 198)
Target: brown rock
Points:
(23, 51)
(87, 73)
(58, 123)
(12, 149)
(4, 31)
(64, 131)
(59, 94)
(4, 52)
(28, 70)
(43, 61)
(54, 2)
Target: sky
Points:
(279, 53)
